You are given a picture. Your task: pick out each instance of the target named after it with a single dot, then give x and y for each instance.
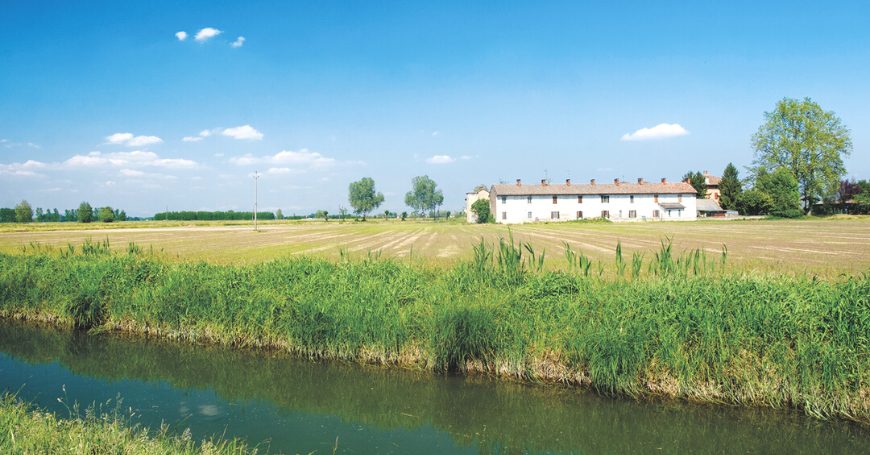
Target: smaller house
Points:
(711, 183)
(480, 192)
(709, 208)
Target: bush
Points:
(480, 208)
(788, 213)
(754, 202)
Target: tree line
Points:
(24, 213)
(212, 216)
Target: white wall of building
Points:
(527, 209)
(470, 199)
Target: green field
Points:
(819, 246)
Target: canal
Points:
(286, 404)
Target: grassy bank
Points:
(662, 324)
(28, 430)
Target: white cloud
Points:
(239, 42)
(141, 141)
(660, 131)
(303, 158)
(202, 135)
(119, 138)
(244, 132)
(130, 140)
(206, 33)
(25, 169)
(131, 173)
(139, 158)
(440, 159)
(182, 35)
(436, 133)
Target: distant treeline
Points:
(24, 213)
(212, 216)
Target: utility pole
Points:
(256, 181)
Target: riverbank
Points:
(30, 430)
(678, 327)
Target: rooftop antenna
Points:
(546, 175)
(256, 182)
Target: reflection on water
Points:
(296, 405)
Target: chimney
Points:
(706, 172)
(640, 180)
(616, 181)
(519, 182)
(568, 182)
(544, 182)
(664, 180)
(592, 182)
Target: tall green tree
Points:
(807, 140)
(23, 212)
(698, 182)
(424, 195)
(729, 188)
(363, 197)
(85, 213)
(782, 187)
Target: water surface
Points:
(299, 406)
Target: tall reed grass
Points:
(679, 325)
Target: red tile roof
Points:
(512, 189)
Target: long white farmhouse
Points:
(617, 201)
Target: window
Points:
(631, 199)
(656, 199)
(504, 215)
(530, 215)
(605, 214)
(579, 198)
(579, 214)
(554, 215)
(656, 214)
(632, 213)
(680, 198)
(555, 199)
(605, 199)
(529, 200)
(504, 199)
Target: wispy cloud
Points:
(9, 144)
(130, 140)
(660, 131)
(441, 159)
(138, 158)
(202, 135)
(286, 160)
(206, 34)
(25, 169)
(182, 35)
(244, 132)
(239, 42)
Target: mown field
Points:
(821, 246)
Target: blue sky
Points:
(97, 98)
